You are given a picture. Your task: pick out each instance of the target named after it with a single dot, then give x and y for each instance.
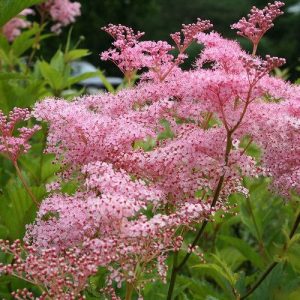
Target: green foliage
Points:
(10, 8)
(24, 80)
(238, 248)
(17, 209)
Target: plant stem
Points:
(42, 156)
(37, 40)
(176, 269)
(230, 132)
(295, 226)
(173, 276)
(19, 173)
(129, 290)
(254, 50)
(273, 264)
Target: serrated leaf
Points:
(201, 289)
(292, 256)
(13, 94)
(231, 277)
(293, 240)
(244, 249)
(272, 285)
(215, 272)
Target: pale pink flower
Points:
(62, 12)
(188, 33)
(13, 145)
(148, 159)
(13, 27)
(259, 21)
(131, 55)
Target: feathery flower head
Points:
(188, 32)
(62, 12)
(259, 21)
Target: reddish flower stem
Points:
(28, 190)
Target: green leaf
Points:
(8, 76)
(244, 249)
(76, 79)
(106, 83)
(4, 232)
(4, 44)
(53, 77)
(25, 40)
(13, 94)
(229, 275)
(201, 289)
(277, 284)
(11, 8)
(57, 62)
(5, 56)
(76, 54)
(232, 257)
(17, 208)
(167, 133)
(40, 169)
(216, 273)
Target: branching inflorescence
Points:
(12, 145)
(154, 160)
(258, 23)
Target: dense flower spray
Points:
(155, 159)
(131, 55)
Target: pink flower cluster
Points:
(10, 145)
(152, 160)
(62, 12)
(280, 139)
(13, 27)
(131, 55)
(188, 32)
(259, 21)
(47, 266)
